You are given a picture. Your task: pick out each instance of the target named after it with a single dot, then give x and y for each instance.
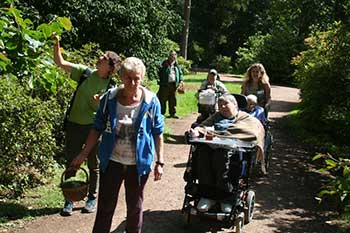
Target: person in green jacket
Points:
(170, 77)
(82, 115)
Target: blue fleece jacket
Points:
(149, 123)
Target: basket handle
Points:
(70, 168)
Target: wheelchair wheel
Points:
(268, 152)
(187, 218)
(239, 223)
(267, 158)
(249, 210)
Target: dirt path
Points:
(284, 199)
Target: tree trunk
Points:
(185, 32)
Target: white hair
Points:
(133, 64)
(252, 98)
(228, 98)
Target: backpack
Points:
(86, 73)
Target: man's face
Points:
(172, 56)
(211, 78)
(227, 109)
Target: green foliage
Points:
(280, 34)
(25, 50)
(27, 142)
(274, 51)
(132, 28)
(221, 26)
(222, 64)
(324, 81)
(339, 185)
(249, 53)
(197, 52)
(184, 64)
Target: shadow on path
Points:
(290, 188)
(15, 211)
(172, 221)
(174, 139)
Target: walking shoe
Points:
(225, 207)
(90, 206)
(67, 209)
(205, 204)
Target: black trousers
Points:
(218, 168)
(167, 94)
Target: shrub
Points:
(140, 29)
(27, 144)
(323, 77)
(274, 51)
(339, 185)
(197, 51)
(222, 64)
(184, 64)
(249, 53)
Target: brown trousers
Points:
(110, 182)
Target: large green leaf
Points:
(331, 163)
(317, 157)
(3, 65)
(326, 192)
(4, 58)
(45, 29)
(67, 24)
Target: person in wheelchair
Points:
(211, 87)
(255, 110)
(212, 82)
(213, 165)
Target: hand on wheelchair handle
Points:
(191, 133)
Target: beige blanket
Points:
(246, 128)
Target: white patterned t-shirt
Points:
(172, 74)
(125, 144)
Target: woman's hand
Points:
(194, 132)
(77, 161)
(158, 172)
(96, 99)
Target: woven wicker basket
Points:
(74, 190)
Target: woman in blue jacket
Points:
(131, 124)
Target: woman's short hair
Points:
(133, 64)
(228, 98)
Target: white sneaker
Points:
(225, 207)
(205, 204)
